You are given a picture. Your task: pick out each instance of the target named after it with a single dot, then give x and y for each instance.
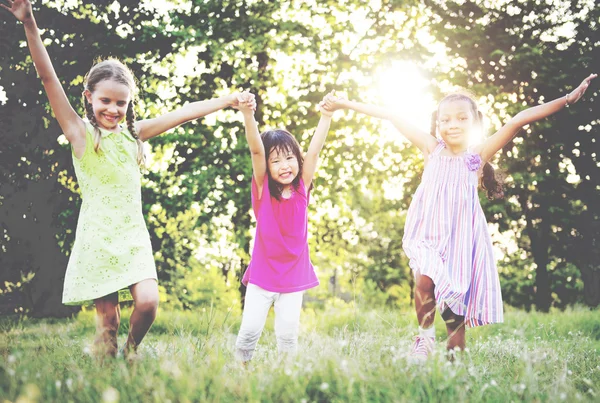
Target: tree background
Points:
(196, 190)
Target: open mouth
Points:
(110, 118)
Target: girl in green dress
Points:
(112, 247)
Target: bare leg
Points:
(108, 318)
(145, 298)
(455, 325)
(424, 300)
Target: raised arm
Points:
(257, 150)
(499, 139)
(153, 127)
(311, 158)
(423, 140)
(71, 124)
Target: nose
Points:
(112, 108)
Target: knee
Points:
(424, 284)
(249, 333)
(147, 304)
(287, 330)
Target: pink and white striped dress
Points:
(446, 238)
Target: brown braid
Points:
(141, 157)
(89, 113)
(491, 181)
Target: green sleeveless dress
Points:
(112, 247)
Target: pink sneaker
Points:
(422, 348)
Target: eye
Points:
(105, 101)
(121, 103)
(290, 157)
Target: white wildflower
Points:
(110, 395)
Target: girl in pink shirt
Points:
(280, 268)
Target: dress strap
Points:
(438, 149)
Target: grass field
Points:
(345, 355)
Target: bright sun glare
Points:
(405, 90)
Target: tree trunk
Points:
(539, 250)
(591, 285)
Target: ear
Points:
(88, 95)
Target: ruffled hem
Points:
(426, 261)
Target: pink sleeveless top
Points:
(280, 259)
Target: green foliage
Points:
(196, 190)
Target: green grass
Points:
(345, 354)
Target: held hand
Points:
(328, 105)
(578, 92)
(333, 102)
(245, 102)
(324, 111)
(21, 9)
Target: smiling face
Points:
(456, 120)
(284, 161)
(283, 165)
(109, 100)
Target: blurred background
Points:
(196, 189)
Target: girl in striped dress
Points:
(446, 236)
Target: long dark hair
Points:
(490, 181)
(282, 141)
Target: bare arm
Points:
(499, 139)
(71, 124)
(311, 159)
(423, 140)
(257, 149)
(153, 127)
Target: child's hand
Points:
(244, 101)
(21, 9)
(578, 92)
(334, 102)
(329, 104)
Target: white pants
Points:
(256, 308)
